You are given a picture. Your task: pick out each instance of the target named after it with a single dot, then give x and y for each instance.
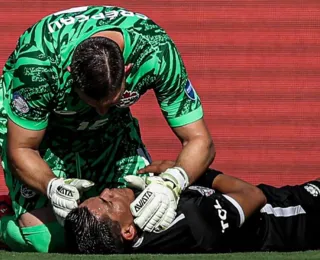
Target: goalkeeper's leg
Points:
(42, 237)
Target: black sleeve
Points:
(212, 219)
(207, 178)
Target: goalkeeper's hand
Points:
(155, 208)
(64, 195)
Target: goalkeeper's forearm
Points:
(195, 157)
(27, 165)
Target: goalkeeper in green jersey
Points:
(66, 129)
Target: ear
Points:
(129, 232)
(69, 69)
(128, 68)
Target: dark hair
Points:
(97, 67)
(85, 234)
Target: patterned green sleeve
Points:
(178, 100)
(30, 93)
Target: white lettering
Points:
(52, 29)
(81, 18)
(222, 213)
(111, 14)
(68, 21)
(54, 26)
(72, 10)
(143, 201)
(142, 16)
(98, 16)
(127, 13)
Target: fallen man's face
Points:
(113, 204)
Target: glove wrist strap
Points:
(50, 184)
(179, 175)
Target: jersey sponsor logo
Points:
(222, 213)
(202, 190)
(80, 18)
(26, 192)
(19, 103)
(143, 201)
(189, 90)
(128, 98)
(312, 189)
(65, 112)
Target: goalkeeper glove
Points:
(155, 208)
(64, 195)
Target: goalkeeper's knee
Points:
(41, 238)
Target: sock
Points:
(42, 238)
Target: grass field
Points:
(237, 256)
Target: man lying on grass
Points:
(219, 213)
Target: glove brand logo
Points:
(143, 201)
(65, 191)
(222, 213)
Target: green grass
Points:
(236, 256)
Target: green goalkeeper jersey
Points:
(39, 89)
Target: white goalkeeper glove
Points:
(155, 208)
(64, 195)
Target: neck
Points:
(113, 35)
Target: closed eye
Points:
(110, 203)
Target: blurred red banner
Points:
(255, 65)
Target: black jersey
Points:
(205, 219)
(208, 221)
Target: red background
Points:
(255, 65)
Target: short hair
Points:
(86, 234)
(97, 67)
